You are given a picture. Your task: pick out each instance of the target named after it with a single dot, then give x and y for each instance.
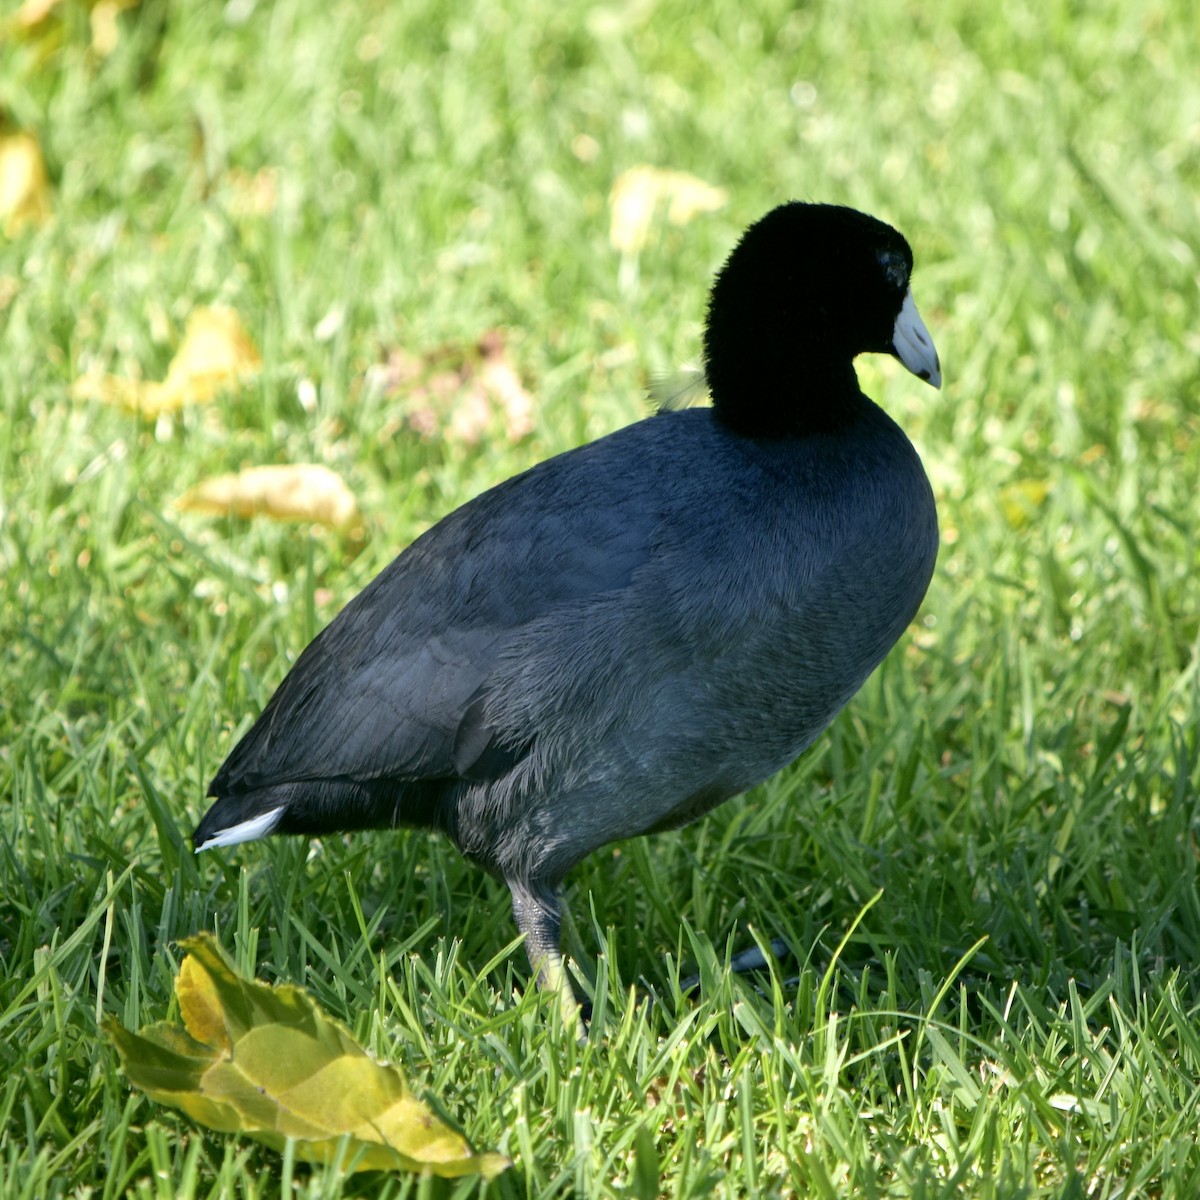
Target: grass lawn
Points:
(987, 869)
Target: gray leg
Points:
(536, 913)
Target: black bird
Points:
(626, 635)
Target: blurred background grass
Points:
(360, 177)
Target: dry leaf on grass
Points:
(459, 393)
(216, 354)
(41, 21)
(252, 194)
(642, 193)
(24, 184)
(106, 33)
(32, 13)
(270, 1063)
(295, 492)
(1020, 501)
(36, 21)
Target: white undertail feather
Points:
(244, 831)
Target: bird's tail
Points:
(317, 806)
(242, 818)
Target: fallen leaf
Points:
(266, 1061)
(216, 351)
(33, 14)
(215, 355)
(500, 381)
(1020, 501)
(252, 195)
(106, 33)
(41, 21)
(24, 184)
(642, 193)
(296, 491)
(461, 393)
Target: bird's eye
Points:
(895, 268)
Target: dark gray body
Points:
(613, 642)
(628, 634)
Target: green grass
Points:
(988, 867)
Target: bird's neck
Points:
(808, 398)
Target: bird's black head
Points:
(809, 287)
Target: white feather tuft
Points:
(244, 831)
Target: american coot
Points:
(621, 638)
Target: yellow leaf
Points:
(1020, 501)
(33, 13)
(643, 192)
(216, 354)
(252, 195)
(296, 491)
(281, 1068)
(41, 22)
(200, 1006)
(105, 32)
(24, 184)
